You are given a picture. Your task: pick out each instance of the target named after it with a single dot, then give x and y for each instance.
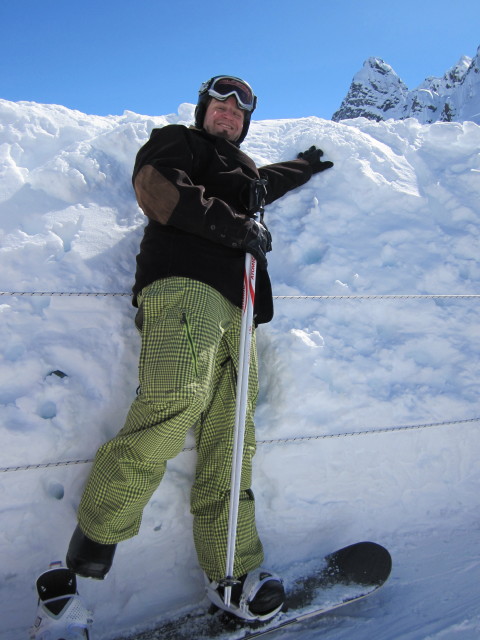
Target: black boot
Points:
(269, 597)
(88, 558)
(258, 595)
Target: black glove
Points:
(258, 242)
(312, 156)
(253, 194)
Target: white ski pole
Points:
(246, 332)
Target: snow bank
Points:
(398, 215)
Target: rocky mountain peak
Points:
(378, 93)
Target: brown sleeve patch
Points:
(156, 196)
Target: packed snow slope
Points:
(368, 418)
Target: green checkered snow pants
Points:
(188, 364)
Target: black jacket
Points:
(195, 190)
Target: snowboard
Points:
(342, 577)
(61, 614)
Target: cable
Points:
(294, 439)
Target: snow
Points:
(368, 417)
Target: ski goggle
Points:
(222, 87)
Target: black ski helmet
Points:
(221, 88)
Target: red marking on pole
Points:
(253, 265)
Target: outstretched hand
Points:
(313, 157)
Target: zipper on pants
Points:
(191, 343)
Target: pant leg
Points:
(175, 381)
(210, 497)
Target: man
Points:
(200, 193)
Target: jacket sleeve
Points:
(285, 176)
(166, 193)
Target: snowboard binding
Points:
(256, 597)
(61, 615)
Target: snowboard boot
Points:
(61, 615)
(258, 595)
(88, 558)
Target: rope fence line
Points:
(45, 465)
(379, 296)
(394, 296)
(365, 432)
(93, 294)
(273, 441)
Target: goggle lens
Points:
(225, 86)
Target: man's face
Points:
(224, 118)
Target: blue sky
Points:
(148, 56)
